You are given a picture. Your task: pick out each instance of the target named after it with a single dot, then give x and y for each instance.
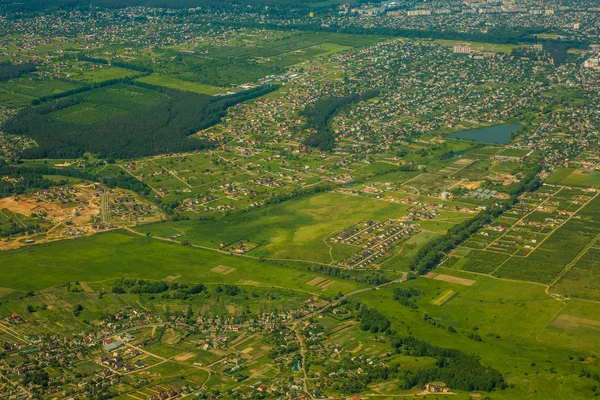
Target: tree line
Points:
(11, 71)
(116, 62)
(453, 367)
(319, 115)
(175, 290)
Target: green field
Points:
(574, 177)
(113, 255)
(514, 322)
(106, 103)
(22, 91)
(292, 230)
(92, 73)
(174, 83)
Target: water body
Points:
(498, 134)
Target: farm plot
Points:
(479, 261)
(581, 280)
(106, 103)
(36, 88)
(552, 255)
(444, 298)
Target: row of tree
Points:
(138, 286)
(319, 115)
(116, 62)
(11, 71)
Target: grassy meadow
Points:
(110, 256)
(295, 229)
(517, 325)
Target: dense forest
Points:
(319, 115)
(10, 71)
(158, 129)
(453, 367)
(22, 179)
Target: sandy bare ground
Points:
(315, 281)
(222, 269)
(570, 321)
(471, 185)
(21, 206)
(86, 288)
(68, 220)
(184, 357)
(450, 278)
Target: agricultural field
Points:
(492, 317)
(95, 260)
(548, 237)
(24, 89)
(106, 103)
(174, 83)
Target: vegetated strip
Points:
(319, 116)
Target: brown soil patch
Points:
(184, 357)
(247, 350)
(244, 282)
(172, 277)
(5, 291)
(327, 284)
(231, 309)
(471, 185)
(315, 281)
(570, 321)
(222, 269)
(21, 206)
(577, 172)
(449, 278)
(86, 288)
(463, 161)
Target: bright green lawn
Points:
(120, 254)
(174, 83)
(291, 230)
(512, 318)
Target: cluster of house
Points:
(375, 238)
(483, 194)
